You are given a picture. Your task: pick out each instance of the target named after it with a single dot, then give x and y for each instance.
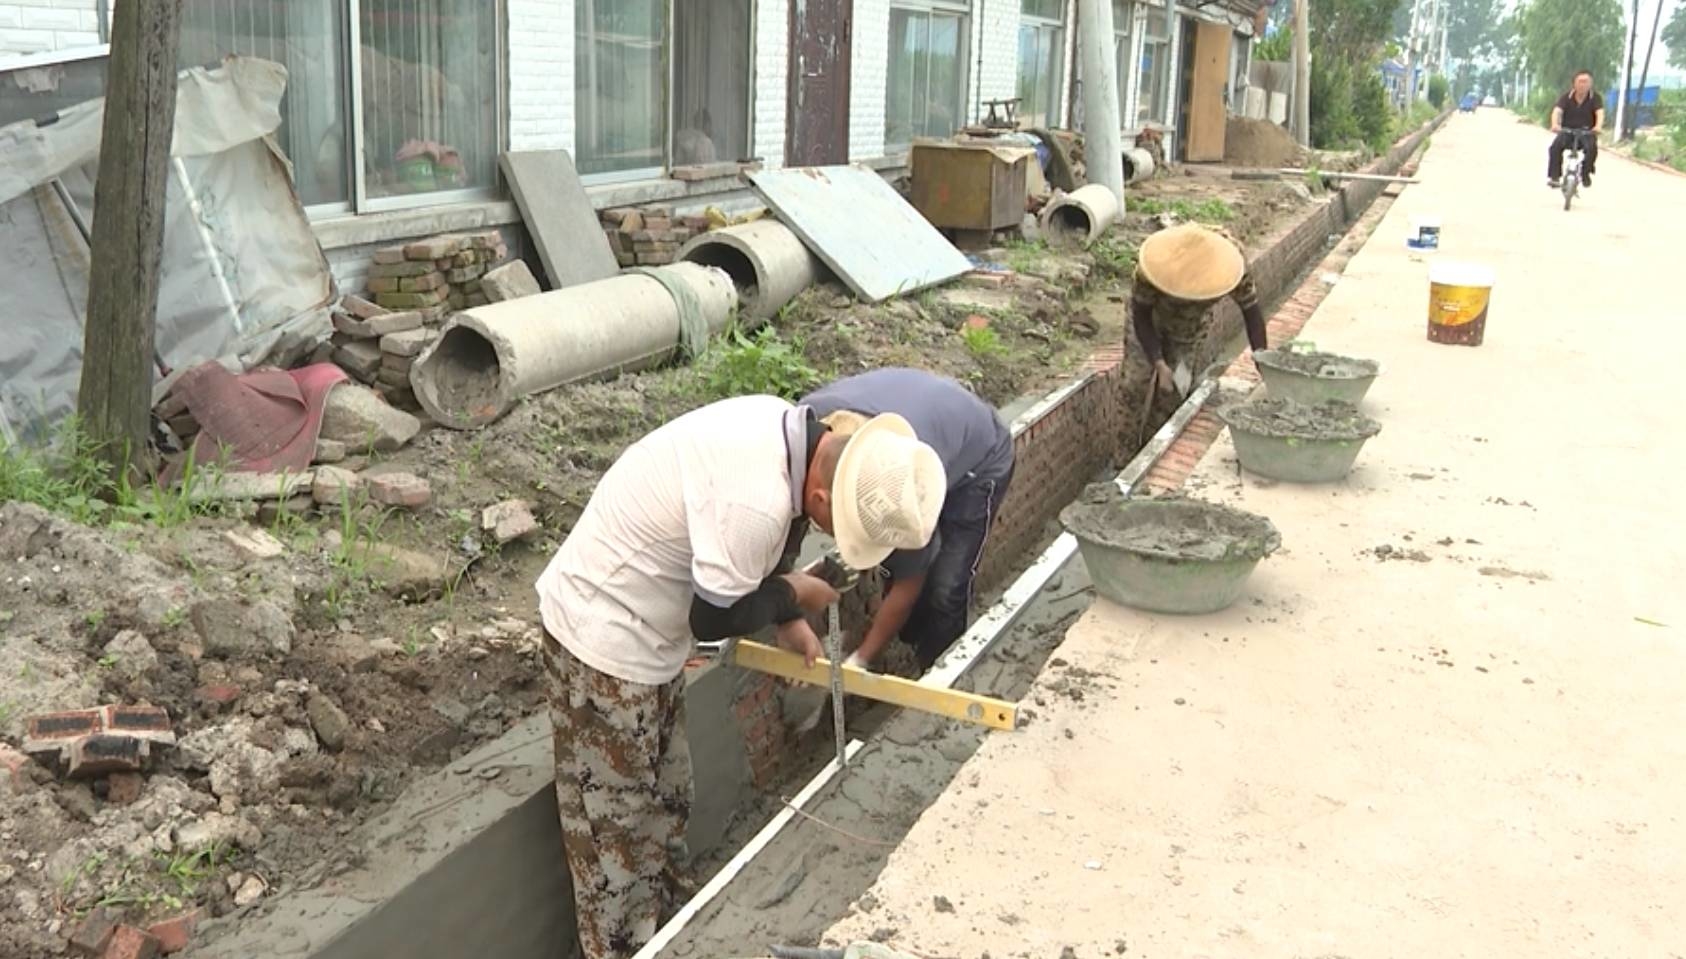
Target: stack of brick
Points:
(437, 275)
(649, 237)
(361, 331)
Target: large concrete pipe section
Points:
(768, 263)
(490, 356)
(1138, 165)
(1081, 216)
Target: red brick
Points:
(93, 756)
(130, 942)
(51, 731)
(93, 934)
(123, 789)
(400, 489)
(176, 933)
(151, 723)
(221, 694)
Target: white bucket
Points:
(1424, 235)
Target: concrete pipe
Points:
(768, 263)
(1081, 216)
(1138, 165)
(490, 356)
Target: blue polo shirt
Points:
(966, 433)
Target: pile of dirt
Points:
(1259, 143)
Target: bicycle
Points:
(1572, 163)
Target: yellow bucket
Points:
(1458, 295)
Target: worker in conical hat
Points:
(1181, 272)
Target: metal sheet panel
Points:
(860, 227)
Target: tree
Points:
(1561, 37)
(1353, 30)
(1674, 36)
(1473, 28)
(115, 398)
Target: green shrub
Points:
(1373, 112)
(1438, 88)
(757, 364)
(1333, 125)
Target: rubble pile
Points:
(650, 236)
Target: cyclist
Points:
(1581, 108)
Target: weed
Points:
(982, 342)
(8, 709)
(1203, 211)
(1114, 257)
(1024, 256)
(758, 363)
(175, 616)
(108, 660)
(94, 618)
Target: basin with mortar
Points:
(1168, 555)
(1298, 442)
(1312, 377)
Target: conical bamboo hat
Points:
(1191, 263)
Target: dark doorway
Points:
(818, 111)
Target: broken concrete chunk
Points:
(405, 572)
(329, 451)
(228, 630)
(256, 543)
(328, 720)
(124, 789)
(360, 358)
(250, 486)
(509, 521)
(358, 418)
(129, 654)
(335, 486)
(400, 489)
(511, 281)
(216, 830)
(271, 628)
(408, 343)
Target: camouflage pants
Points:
(623, 788)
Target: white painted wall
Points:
(772, 80)
(45, 26)
(541, 74)
(869, 78)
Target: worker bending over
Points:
(681, 539)
(930, 592)
(1180, 273)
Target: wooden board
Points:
(967, 707)
(1206, 114)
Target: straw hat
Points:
(887, 492)
(1191, 263)
(844, 422)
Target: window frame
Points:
(1150, 107)
(958, 9)
(1123, 54)
(1056, 83)
(669, 76)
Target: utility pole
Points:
(115, 399)
(1302, 72)
(1627, 72)
(1102, 142)
(1645, 71)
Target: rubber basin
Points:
(1277, 452)
(1315, 377)
(1175, 556)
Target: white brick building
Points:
(398, 109)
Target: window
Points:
(1121, 14)
(1041, 61)
(56, 82)
(430, 91)
(620, 83)
(430, 95)
(1155, 68)
(926, 95)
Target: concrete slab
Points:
(571, 244)
(1468, 751)
(858, 225)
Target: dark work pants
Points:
(939, 616)
(1554, 161)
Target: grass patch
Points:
(982, 342)
(1196, 211)
(759, 363)
(69, 478)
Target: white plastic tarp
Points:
(242, 272)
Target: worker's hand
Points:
(1557, 128)
(855, 661)
(1164, 379)
(798, 637)
(812, 593)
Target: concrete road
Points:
(1476, 750)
